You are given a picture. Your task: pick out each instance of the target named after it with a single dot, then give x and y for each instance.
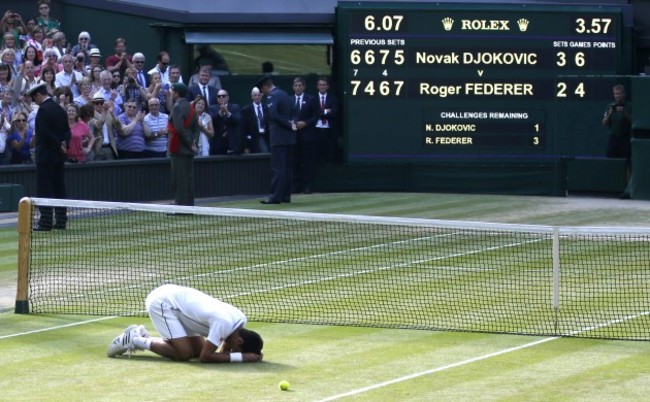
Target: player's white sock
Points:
(142, 343)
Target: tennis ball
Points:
(284, 385)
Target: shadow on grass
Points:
(263, 366)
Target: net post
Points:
(24, 241)
(556, 276)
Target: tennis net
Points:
(335, 269)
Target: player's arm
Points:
(210, 354)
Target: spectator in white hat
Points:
(95, 57)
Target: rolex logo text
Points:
(485, 25)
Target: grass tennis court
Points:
(59, 357)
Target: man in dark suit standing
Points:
(52, 139)
(305, 114)
(326, 129)
(282, 138)
(203, 87)
(255, 124)
(226, 119)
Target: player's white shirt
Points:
(199, 312)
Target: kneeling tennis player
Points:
(192, 325)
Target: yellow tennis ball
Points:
(284, 385)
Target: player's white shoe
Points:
(120, 345)
(123, 343)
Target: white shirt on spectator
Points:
(64, 79)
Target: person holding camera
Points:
(618, 119)
(131, 88)
(12, 23)
(79, 65)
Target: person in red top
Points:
(121, 60)
(81, 141)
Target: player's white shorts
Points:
(166, 319)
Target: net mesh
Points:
(347, 270)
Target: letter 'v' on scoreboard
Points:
(424, 81)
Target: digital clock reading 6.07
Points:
(406, 68)
(386, 23)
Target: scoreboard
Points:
(425, 81)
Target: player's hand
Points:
(301, 125)
(252, 357)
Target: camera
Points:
(130, 81)
(80, 58)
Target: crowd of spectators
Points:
(117, 106)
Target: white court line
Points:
(74, 324)
(475, 359)
(435, 370)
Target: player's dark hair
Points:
(253, 342)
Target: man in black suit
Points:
(326, 129)
(52, 139)
(226, 119)
(282, 138)
(203, 88)
(305, 114)
(255, 124)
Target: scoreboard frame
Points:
(475, 81)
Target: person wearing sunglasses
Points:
(130, 141)
(19, 139)
(226, 120)
(50, 59)
(84, 46)
(162, 67)
(141, 76)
